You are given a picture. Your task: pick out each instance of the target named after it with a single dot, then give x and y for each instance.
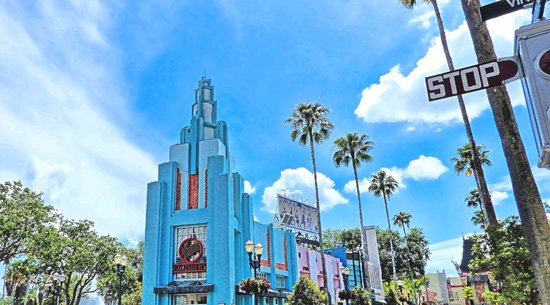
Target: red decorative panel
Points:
(206, 188)
(267, 263)
(178, 189)
(193, 202)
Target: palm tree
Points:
(354, 149)
(402, 219)
(464, 162)
(528, 201)
(382, 184)
(473, 200)
(478, 170)
(479, 219)
(310, 125)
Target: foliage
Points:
(108, 282)
(350, 239)
(309, 123)
(23, 214)
(257, 286)
(418, 253)
(503, 250)
(464, 158)
(479, 219)
(73, 249)
(360, 296)
(468, 293)
(402, 219)
(493, 297)
(306, 292)
(473, 200)
(390, 298)
(352, 149)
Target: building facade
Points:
(199, 218)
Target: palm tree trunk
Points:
(530, 208)
(363, 237)
(478, 169)
(322, 248)
(391, 242)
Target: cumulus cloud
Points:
(299, 183)
(248, 188)
(58, 101)
(401, 97)
(423, 168)
(497, 197)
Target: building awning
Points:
(185, 287)
(271, 293)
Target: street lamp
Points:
(345, 275)
(57, 282)
(120, 261)
(254, 261)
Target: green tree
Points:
(473, 200)
(464, 162)
(402, 219)
(310, 125)
(528, 201)
(503, 250)
(419, 252)
(353, 149)
(108, 282)
(23, 214)
(306, 292)
(348, 238)
(479, 219)
(385, 185)
(73, 249)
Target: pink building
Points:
(309, 264)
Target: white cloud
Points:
(423, 168)
(400, 97)
(58, 102)
(424, 19)
(497, 197)
(299, 183)
(410, 128)
(541, 175)
(248, 188)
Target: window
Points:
(280, 281)
(182, 233)
(261, 275)
(185, 299)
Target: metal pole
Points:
(120, 270)
(360, 267)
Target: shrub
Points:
(257, 286)
(306, 292)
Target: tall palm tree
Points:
(402, 219)
(382, 184)
(479, 219)
(473, 200)
(528, 201)
(478, 170)
(354, 149)
(464, 162)
(310, 125)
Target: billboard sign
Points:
(375, 270)
(303, 216)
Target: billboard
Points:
(297, 216)
(373, 262)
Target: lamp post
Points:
(254, 261)
(345, 276)
(57, 282)
(120, 261)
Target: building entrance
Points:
(187, 299)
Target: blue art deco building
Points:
(198, 220)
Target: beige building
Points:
(455, 291)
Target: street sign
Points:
(501, 7)
(473, 78)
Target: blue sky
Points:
(93, 93)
